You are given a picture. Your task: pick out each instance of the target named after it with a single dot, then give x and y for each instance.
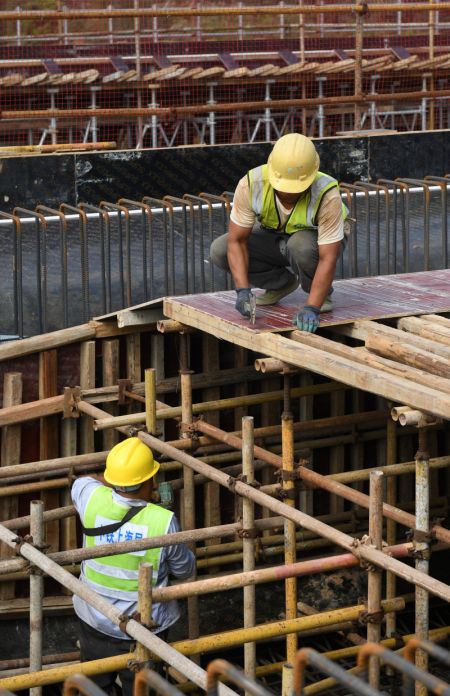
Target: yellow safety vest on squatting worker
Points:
(303, 216)
(118, 575)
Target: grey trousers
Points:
(95, 646)
(274, 258)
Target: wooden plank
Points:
(31, 410)
(27, 346)
(343, 369)
(425, 329)
(363, 356)
(87, 381)
(108, 329)
(404, 353)
(362, 329)
(110, 369)
(10, 454)
(49, 436)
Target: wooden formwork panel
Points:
(407, 366)
(376, 297)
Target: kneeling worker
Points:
(106, 505)
(286, 228)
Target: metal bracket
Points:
(420, 554)
(291, 494)
(374, 617)
(243, 479)
(284, 475)
(72, 396)
(251, 533)
(420, 537)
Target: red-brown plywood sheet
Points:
(359, 298)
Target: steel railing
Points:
(61, 267)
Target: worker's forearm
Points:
(322, 281)
(238, 262)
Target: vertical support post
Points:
(423, 102)
(337, 455)
(144, 608)
(302, 60)
(267, 111)
(137, 46)
(110, 377)
(306, 408)
(49, 435)
(391, 525)
(212, 114)
(150, 400)
(10, 454)
(68, 449)
(375, 574)
(211, 362)
(240, 23)
(287, 444)
(65, 28)
(188, 473)
(134, 367)
(282, 36)
(359, 35)
(287, 678)
(320, 109)
(157, 361)
(87, 381)
(36, 593)
(421, 548)
(248, 542)
(18, 27)
(241, 389)
(110, 26)
(431, 25)
(270, 414)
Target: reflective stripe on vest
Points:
(117, 576)
(303, 215)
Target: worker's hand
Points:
(243, 301)
(307, 319)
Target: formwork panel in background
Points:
(209, 73)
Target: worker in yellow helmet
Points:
(114, 508)
(286, 228)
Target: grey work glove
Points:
(243, 301)
(307, 319)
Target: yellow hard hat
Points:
(293, 163)
(130, 463)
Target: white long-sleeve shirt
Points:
(176, 560)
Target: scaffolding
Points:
(262, 532)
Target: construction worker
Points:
(286, 228)
(114, 507)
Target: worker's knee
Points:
(302, 248)
(218, 252)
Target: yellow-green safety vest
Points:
(118, 575)
(303, 215)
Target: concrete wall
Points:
(91, 177)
